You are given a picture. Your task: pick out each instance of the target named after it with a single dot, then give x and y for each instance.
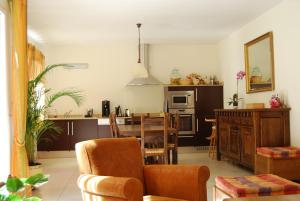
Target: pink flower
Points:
(240, 75)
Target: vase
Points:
(235, 101)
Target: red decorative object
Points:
(275, 101)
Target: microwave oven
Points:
(180, 99)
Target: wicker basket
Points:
(185, 82)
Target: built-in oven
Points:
(186, 120)
(180, 99)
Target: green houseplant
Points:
(16, 189)
(36, 125)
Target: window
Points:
(4, 114)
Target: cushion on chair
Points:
(279, 152)
(259, 185)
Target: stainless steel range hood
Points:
(146, 78)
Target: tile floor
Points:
(64, 172)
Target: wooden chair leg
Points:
(213, 148)
(210, 148)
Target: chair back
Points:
(120, 157)
(114, 130)
(151, 138)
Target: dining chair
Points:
(173, 138)
(114, 130)
(154, 145)
(212, 138)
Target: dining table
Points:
(135, 131)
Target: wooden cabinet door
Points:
(208, 98)
(82, 130)
(234, 142)
(52, 141)
(223, 138)
(248, 147)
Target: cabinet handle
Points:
(68, 128)
(196, 95)
(72, 129)
(197, 125)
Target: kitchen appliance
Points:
(127, 113)
(142, 76)
(186, 121)
(180, 99)
(118, 111)
(105, 108)
(89, 113)
(182, 102)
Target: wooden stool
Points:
(282, 161)
(212, 138)
(253, 186)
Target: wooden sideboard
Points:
(240, 131)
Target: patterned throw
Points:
(279, 152)
(259, 185)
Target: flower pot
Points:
(35, 169)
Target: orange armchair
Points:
(113, 170)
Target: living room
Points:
(206, 47)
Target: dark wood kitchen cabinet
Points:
(207, 99)
(83, 130)
(73, 131)
(240, 131)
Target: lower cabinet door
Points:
(248, 149)
(82, 130)
(223, 138)
(234, 142)
(53, 141)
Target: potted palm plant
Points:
(39, 101)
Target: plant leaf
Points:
(73, 94)
(32, 199)
(3, 197)
(13, 197)
(13, 184)
(35, 179)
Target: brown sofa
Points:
(113, 170)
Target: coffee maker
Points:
(105, 108)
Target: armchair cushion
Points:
(177, 181)
(114, 187)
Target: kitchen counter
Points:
(101, 120)
(62, 117)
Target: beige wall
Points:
(283, 20)
(110, 69)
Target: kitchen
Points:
(111, 68)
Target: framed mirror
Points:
(259, 63)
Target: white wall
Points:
(283, 20)
(110, 69)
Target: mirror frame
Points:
(247, 67)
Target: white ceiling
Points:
(164, 21)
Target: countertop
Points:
(62, 117)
